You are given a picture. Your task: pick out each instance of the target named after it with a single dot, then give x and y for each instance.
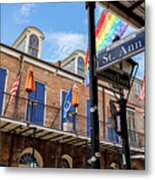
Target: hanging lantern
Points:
(30, 84)
(75, 96)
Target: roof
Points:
(27, 29)
(75, 53)
(133, 12)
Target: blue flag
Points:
(68, 109)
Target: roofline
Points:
(42, 61)
(78, 50)
(52, 65)
(25, 30)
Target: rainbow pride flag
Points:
(108, 27)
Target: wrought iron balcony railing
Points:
(32, 111)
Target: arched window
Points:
(33, 45)
(81, 66)
(65, 162)
(28, 160)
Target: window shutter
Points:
(2, 86)
(88, 118)
(110, 130)
(38, 109)
(63, 95)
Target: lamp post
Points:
(90, 6)
(129, 67)
(124, 133)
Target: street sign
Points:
(121, 49)
(117, 79)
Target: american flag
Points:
(142, 93)
(14, 88)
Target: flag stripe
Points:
(142, 93)
(14, 88)
(108, 27)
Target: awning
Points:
(53, 135)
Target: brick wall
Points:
(54, 84)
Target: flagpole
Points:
(8, 102)
(7, 105)
(59, 111)
(90, 6)
(18, 91)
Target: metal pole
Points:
(33, 149)
(125, 141)
(90, 6)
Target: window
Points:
(27, 159)
(63, 163)
(3, 74)
(137, 88)
(70, 66)
(81, 66)
(35, 111)
(33, 45)
(69, 119)
(131, 125)
(66, 161)
(21, 45)
(112, 135)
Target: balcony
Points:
(21, 117)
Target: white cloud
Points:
(59, 45)
(23, 14)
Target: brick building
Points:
(32, 127)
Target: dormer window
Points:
(81, 66)
(30, 41)
(33, 45)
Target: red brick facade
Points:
(55, 80)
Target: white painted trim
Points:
(13, 121)
(69, 159)
(10, 52)
(65, 74)
(27, 41)
(76, 65)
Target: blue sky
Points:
(63, 24)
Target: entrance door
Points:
(35, 109)
(2, 87)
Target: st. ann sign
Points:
(122, 49)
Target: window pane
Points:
(34, 41)
(80, 66)
(33, 45)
